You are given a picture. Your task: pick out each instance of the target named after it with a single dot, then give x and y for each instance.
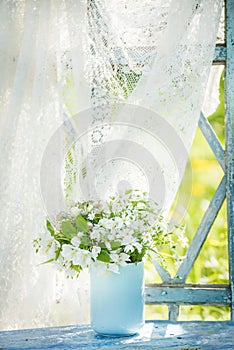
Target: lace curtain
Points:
(118, 86)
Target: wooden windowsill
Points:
(155, 335)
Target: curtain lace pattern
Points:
(119, 86)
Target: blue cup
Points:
(117, 300)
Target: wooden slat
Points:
(212, 140)
(220, 54)
(173, 312)
(187, 294)
(202, 232)
(229, 87)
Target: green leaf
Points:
(102, 245)
(85, 240)
(47, 262)
(81, 223)
(103, 256)
(115, 245)
(57, 253)
(68, 229)
(50, 228)
(77, 268)
(61, 239)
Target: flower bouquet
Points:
(122, 230)
(113, 237)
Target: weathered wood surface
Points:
(220, 54)
(186, 294)
(212, 140)
(155, 335)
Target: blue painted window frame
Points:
(175, 292)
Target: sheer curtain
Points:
(120, 84)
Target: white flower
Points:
(83, 258)
(114, 257)
(112, 236)
(147, 237)
(113, 227)
(108, 245)
(130, 247)
(51, 249)
(90, 207)
(95, 234)
(183, 240)
(113, 268)
(123, 258)
(141, 205)
(119, 259)
(127, 240)
(90, 225)
(77, 239)
(138, 225)
(68, 252)
(106, 223)
(95, 252)
(76, 255)
(118, 222)
(75, 211)
(126, 236)
(102, 206)
(49, 245)
(126, 219)
(116, 207)
(91, 216)
(138, 246)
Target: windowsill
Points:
(154, 335)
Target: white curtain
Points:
(119, 85)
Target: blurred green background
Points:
(211, 265)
